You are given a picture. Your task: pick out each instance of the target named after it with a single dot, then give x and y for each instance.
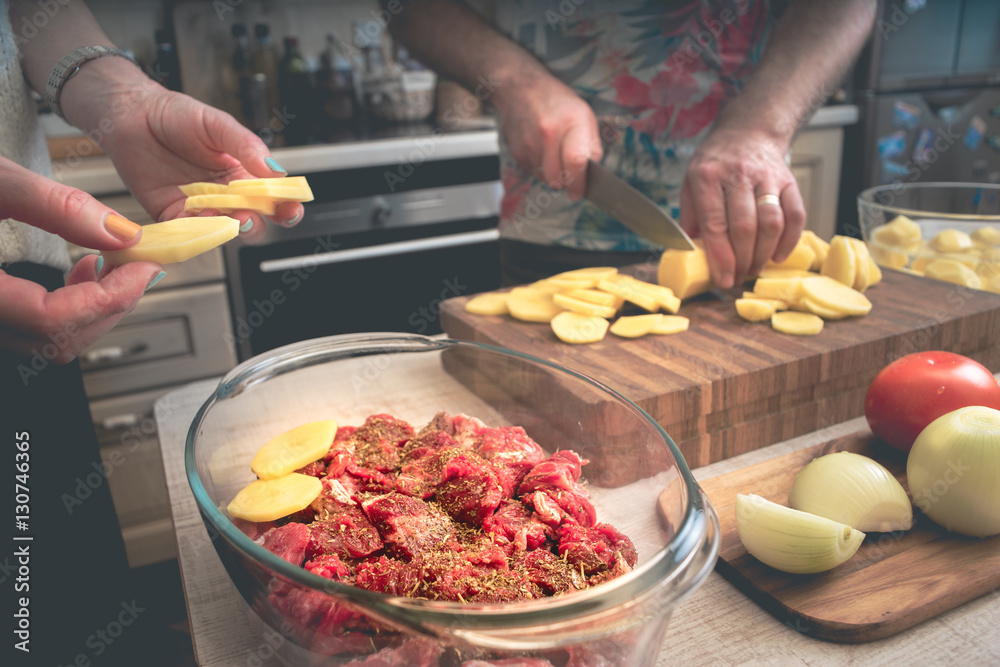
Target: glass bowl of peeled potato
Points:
(947, 231)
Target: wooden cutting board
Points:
(893, 582)
(727, 386)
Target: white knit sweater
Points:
(22, 141)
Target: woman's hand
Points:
(721, 202)
(551, 132)
(58, 325)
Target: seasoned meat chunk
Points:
(341, 527)
(387, 575)
(550, 573)
(288, 542)
(559, 471)
(469, 490)
(328, 566)
(379, 441)
(594, 549)
(514, 523)
(408, 525)
(512, 453)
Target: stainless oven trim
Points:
(381, 250)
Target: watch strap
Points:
(69, 65)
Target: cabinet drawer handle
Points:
(384, 250)
(104, 355)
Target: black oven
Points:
(378, 250)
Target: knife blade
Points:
(633, 209)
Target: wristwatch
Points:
(69, 65)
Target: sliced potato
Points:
(755, 310)
(670, 324)
(798, 324)
(664, 296)
(626, 288)
(772, 272)
(835, 296)
(287, 188)
(900, 232)
(685, 272)
(801, 257)
(892, 259)
(227, 203)
(988, 236)
(819, 246)
(953, 271)
(583, 307)
(841, 262)
(862, 273)
(597, 296)
(575, 328)
(810, 306)
(545, 286)
(488, 303)
(531, 305)
(777, 303)
(270, 499)
(874, 272)
(176, 240)
(192, 189)
(635, 326)
(573, 282)
(788, 290)
(293, 449)
(951, 240)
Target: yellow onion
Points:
(853, 489)
(790, 540)
(953, 471)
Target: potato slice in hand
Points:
(176, 240)
(531, 305)
(583, 307)
(670, 324)
(227, 203)
(635, 326)
(575, 328)
(798, 324)
(293, 449)
(270, 499)
(193, 189)
(288, 188)
(489, 303)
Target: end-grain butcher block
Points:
(727, 386)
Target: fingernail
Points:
(726, 280)
(245, 227)
(274, 165)
(294, 221)
(158, 278)
(120, 227)
(99, 265)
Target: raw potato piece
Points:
(490, 303)
(289, 451)
(192, 189)
(835, 296)
(819, 246)
(798, 324)
(583, 307)
(685, 271)
(841, 262)
(227, 203)
(176, 240)
(862, 275)
(951, 240)
(801, 257)
(951, 271)
(626, 288)
(635, 326)
(531, 305)
(755, 310)
(986, 236)
(589, 272)
(671, 324)
(810, 306)
(575, 328)
(270, 499)
(774, 272)
(596, 296)
(777, 303)
(288, 188)
(788, 290)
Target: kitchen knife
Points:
(634, 209)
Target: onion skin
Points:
(953, 471)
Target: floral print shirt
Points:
(655, 73)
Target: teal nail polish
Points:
(245, 227)
(294, 221)
(274, 165)
(158, 278)
(99, 265)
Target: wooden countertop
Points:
(716, 625)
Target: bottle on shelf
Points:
(166, 68)
(334, 90)
(240, 70)
(265, 61)
(295, 94)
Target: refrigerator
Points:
(927, 87)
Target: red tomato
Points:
(914, 390)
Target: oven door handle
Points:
(383, 250)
